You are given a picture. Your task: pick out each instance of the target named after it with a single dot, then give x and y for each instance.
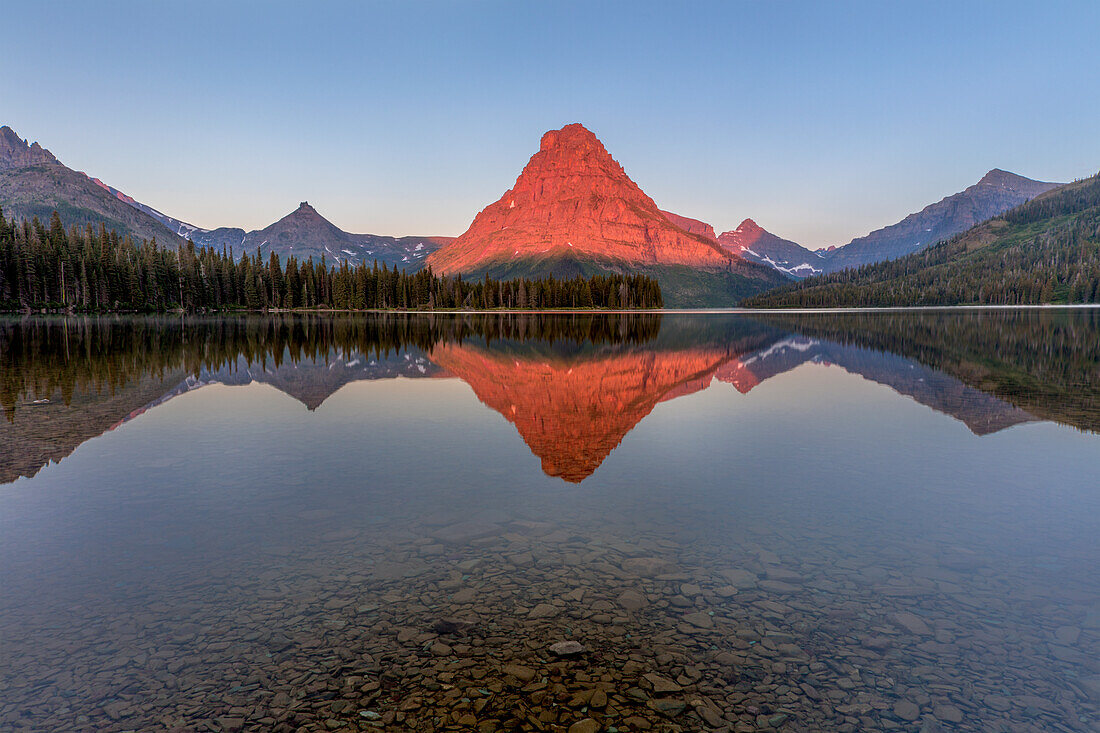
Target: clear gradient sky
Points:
(820, 120)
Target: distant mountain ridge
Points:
(752, 242)
(572, 211)
(996, 192)
(181, 228)
(33, 182)
(303, 233)
(1044, 251)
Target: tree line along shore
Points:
(96, 270)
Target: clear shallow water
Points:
(813, 522)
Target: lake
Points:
(562, 522)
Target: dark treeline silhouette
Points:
(93, 270)
(49, 356)
(1044, 251)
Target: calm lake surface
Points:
(789, 522)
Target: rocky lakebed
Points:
(506, 624)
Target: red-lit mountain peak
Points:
(573, 200)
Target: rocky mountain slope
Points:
(1044, 251)
(996, 192)
(751, 240)
(303, 233)
(35, 183)
(573, 210)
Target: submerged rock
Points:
(567, 648)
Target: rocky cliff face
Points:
(573, 200)
(691, 226)
(15, 152)
(35, 183)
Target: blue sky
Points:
(820, 120)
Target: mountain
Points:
(574, 211)
(750, 240)
(35, 183)
(180, 228)
(1044, 251)
(303, 233)
(997, 192)
(573, 410)
(982, 413)
(691, 226)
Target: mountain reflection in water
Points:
(748, 522)
(572, 385)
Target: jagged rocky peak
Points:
(747, 228)
(15, 152)
(574, 135)
(691, 226)
(572, 150)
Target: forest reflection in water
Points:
(749, 522)
(572, 384)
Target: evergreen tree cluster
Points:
(93, 270)
(1044, 251)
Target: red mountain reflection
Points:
(572, 412)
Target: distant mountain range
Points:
(35, 183)
(574, 211)
(996, 192)
(1044, 251)
(305, 234)
(751, 240)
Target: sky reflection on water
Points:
(807, 489)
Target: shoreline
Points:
(563, 311)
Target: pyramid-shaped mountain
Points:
(304, 233)
(573, 210)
